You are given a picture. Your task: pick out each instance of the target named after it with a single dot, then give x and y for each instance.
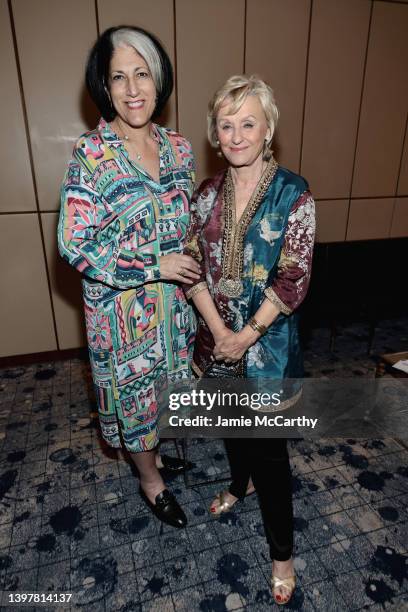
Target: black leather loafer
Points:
(167, 509)
(174, 465)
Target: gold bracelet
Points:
(258, 327)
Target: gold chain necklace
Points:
(230, 284)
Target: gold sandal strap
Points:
(288, 583)
(224, 504)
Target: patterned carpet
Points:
(71, 518)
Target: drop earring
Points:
(266, 150)
(219, 153)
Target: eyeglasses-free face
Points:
(131, 87)
(242, 135)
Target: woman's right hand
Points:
(178, 267)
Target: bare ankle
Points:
(159, 462)
(152, 487)
(283, 567)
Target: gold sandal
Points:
(223, 506)
(288, 583)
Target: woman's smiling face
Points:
(131, 87)
(242, 135)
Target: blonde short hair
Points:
(236, 89)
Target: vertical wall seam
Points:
(98, 30)
(359, 112)
(245, 35)
(305, 88)
(399, 175)
(175, 64)
(402, 157)
(31, 158)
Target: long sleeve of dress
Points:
(291, 282)
(93, 239)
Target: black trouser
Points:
(266, 461)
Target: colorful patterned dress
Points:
(115, 223)
(266, 255)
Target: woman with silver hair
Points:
(252, 232)
(124, 216)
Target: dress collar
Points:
(113, 141)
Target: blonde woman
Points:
(252, 232)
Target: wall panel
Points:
(53, 42)
(17, 192)
(331, 220)
(399, 225)
(66, 289)
(25, 307)
(370, 219)
(210, 48)
(276, 49)
(384, 105)
(335, 76)
(157, 17)
(282, 40)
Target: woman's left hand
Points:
(232, 347)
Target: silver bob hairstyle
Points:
(235, 90)
(98, 66)
(145, 47)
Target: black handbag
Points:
(220, 369)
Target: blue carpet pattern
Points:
(72, 520)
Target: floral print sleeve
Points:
(193, 248)
(200, 209)
(290, 284)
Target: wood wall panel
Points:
(157, 17)
(207, 42)
(210, 48)
(370, 219)
(384, 105)
(331, 220)
(276, 49)
(53, 42)
(66, 289)
(17, 192)
(334, 85)
(399, 225)
(25, 307)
